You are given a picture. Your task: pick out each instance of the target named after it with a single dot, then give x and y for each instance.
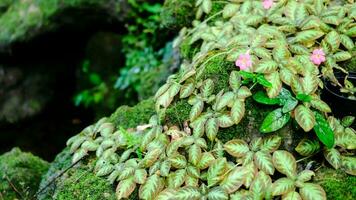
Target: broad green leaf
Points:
(125, 188)
(282, 186)
(247, 75)
(323, 130)
(274, 121)
(305, 175)
(346, 139)
(176, 179)
(308, 147)
(349, 164)
(263, 81)
(261, 97)
(237, 148)
(264, 162)
(140, 176)
(194, 154)
(312, 191)
(196, 110)
(205, 161)
(178, 161)
(347, 121)
(238, 111)
(211, 128)
(285, 163)
(216, 170)
(193, 171)
(266, 66)
(217, 193)
(271, 143)
(292, 196)
(186, 90)
(304, 97)
(188, 193)
(235, 80)
(153, 186)
(289, 105)
(308, 35)
(286, 75)
(333, 157)
(274, 79)
(234, 180)
(305, 117)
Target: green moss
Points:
(337, 184)
(178, 112)
(350, 65)
(83, 185)
(177, 13)
(188, 50)
(128, 117)
(23, 171)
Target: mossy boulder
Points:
(177, 13)
(337, 184)
(20, 174)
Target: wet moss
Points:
(20, 174)
(83, 185)
(128, 117)
(188, 50)
(337, 184)
(177, 13)
(178, 112)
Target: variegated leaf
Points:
(346, 139)
(271, 143)
(259, 186)
(207, 88)
(274, 79)
(194, 154)
(211, 128)
(186, 90)
(216, 170)
(333, 39)
(243, 93)
(305, 117)
(166, 194)
(225, 121)
(237, 148)
(235, 80)
(238, 111)
(178, 161)
(191, 181)
(264, 162)
(305, 175)
(217, 193)
(176, 179)
(140, 176)
(308, 147)
(292, 196)
(266, 66)
(165, 168)
(234, 180)
(308, 35)
(205, 161)
(333, 157)
(188, 193)
(349, 164)
(309, 83)
(285, 163)
(196, 110)
(250, 173)
(282, 186)
(312, 191)
(125, 188)
(225, 100)
(153, 186)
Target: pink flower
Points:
(267, 4)
(318, 56)
(244, 61)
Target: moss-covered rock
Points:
(20, 174)
(177, 13)
(84, 185)
(336, 183)
(128, 117)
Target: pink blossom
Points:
(267, 4)
(318, 56)
(244, 61)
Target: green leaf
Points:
(342, 56)
(235, 80)
(312, 191)
(238, 111)
(205, 161)
(217, 193)
(196, 110)
(347, 121)
(349, 164)
(224, 100)
(250, 174)
(346, 139)
(194, 154)
(274, 79)
(333, 157)
(351, 32)
(261, 97)
(165, 168)
(305, 175)
(207, 88)
(289, 105)
(264, 162)
(243, 93)
(211, 128)
(207, 6)
(166, 194)
(323, 130)
(216, 170)
(282, 186)
(347, 42)
(262, 53)
(153, 186)
(285, 163)
(309, 83)
(320, 105)
(234, 180)
(305, 117)
(333, 39)
(140, 176)
(247, 75)
(259, 186)
(225, 121)
(186, 90)
(188, 193)
(178, 161)
(308, 35)
(237, 148)
(274, 121)
(271, 143)
(266, 66)
(176, 179)
(304, 97)
(230, 10)
(292, 196)
(125, 188)
(308, 147)
(263, 81)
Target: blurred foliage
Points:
(145, 49)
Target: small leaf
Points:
(264, 162)
(217, 193)
(266, 66)
(304, 97)
(292, 196)
(238, 111)
(308, 147)
(230, 10)
(153, 186)
(224, 100)
(206, 6)
(243, 93)
(271, 143)
(166, 194)
(347, 121)
(274, 79)
(282, 186)
(333, 157)
(235, 80)
(320, 105)
(346, 139)
(194, 154)
(186, 90)
(324, 131)
(305, 117)
(233, 180)
(211, 128)
(305, 175)
(216, 170)
(285, 163)
(347, 42)
(178, 161)
(196, 110)
(140, 176)
(349, 164)
(125, 188)
(237, 148)
(187, 193)
(207, 88)
(176, 179)
(225, 121)
(342, 56)
(312, 191)
(274, 121)
(205, 161)
(261, 97)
